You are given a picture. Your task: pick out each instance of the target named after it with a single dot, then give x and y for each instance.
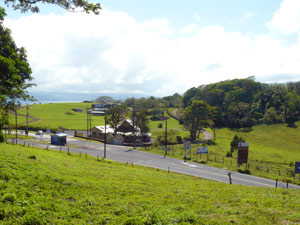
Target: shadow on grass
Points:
(202, 162)
(242, 130)
(244, 171)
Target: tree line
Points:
(242, 103)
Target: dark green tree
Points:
(15, 72)
(197, 116)
(70, 5)
(115, 116)
(234, 143)
(142, 120)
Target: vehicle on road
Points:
(39, 132)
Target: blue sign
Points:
(202, 150)
(297, 167)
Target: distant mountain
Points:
(77, 97)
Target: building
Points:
(96, 112)
(125, 130)
(59, 139)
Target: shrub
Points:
(160, 125)
(179, 139)
(1, 137)
(32, 157)
(229, 154)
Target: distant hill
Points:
(78, 97)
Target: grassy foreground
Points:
(47, 187)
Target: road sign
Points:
(242, 152)
(297, 167)
(202, 150)
(187, 145)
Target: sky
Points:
(159, 47)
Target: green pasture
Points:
(55, 115)
(273, 151)
(172, 123)
(40, 186)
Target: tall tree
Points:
(70, 5)
(197, 116)
(115, 116)
(142, 120)
(15, 72)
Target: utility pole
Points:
(87, 121)
(105, 135)
(90, 127)
(133, 122)
(166, 133)
(27, 114)
(16, 115)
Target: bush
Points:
(179, 139)
(1, 137)
(32, 157)
(160, 125)
(229, 154)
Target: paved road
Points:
(125, 154)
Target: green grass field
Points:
(47, 187)
(53, 115)
(172, 123)
(272, 153)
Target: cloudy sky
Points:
(160, 47)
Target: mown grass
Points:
(273, 151)
(172, 123)
(47, 187)
(53, 115)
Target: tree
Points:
(142, 120)
(70, 5)
(197, 116)
(15, 72)
(234, 143)
(115, 116)
(104, 99)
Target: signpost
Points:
(202, 150)
(187, 145)
(242, 152)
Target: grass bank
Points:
(47, 187)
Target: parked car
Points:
(39, 132)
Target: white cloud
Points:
(287, 18)
(244, 18)
(115, 53)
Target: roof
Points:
(102, 129)
(243, 144)
(111, 130)
(60, 135)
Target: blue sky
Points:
(160, 47)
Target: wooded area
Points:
(244, 102)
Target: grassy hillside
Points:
(55, 115)
(272, 153)
(48, 187)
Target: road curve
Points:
(125, 154)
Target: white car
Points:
(39, 132)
